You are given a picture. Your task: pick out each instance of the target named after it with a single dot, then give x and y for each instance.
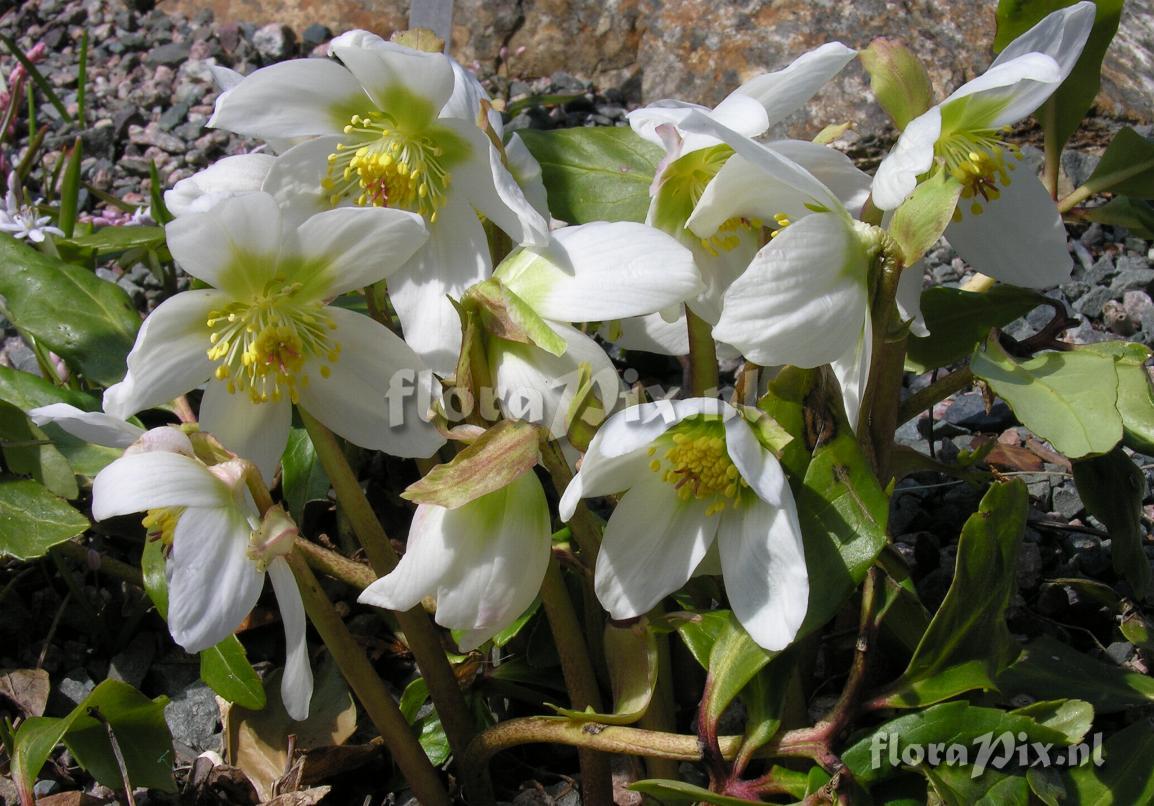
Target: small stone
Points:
(1066, 502)
(171, 54)
(132, 664)
(1120, 652)
(274, 42)
(1078, 165)
(969, 412)
(173, 116)
(1093, 236)
(75, 686)
(1090, 304)
(1029, 569)
(1116, 319)
(1132, 279)
(1135, 245)
(315, 34)
(194, 718)
(151, 135)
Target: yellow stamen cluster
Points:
(160, 524)
(728, 235)
(384, 166)
(696, 462)
(982, 163)
(262, 346)
(782, 221)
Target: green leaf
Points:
(1066, 398)
(1052, 670)
(37, 77)
(509, 317)
(1133, 214)
(898, 79)
(631, 654)
(957, 786)
(595, 174)
(117, 240)
(922, 218)
(1112, 487)
(1063, 113)
(70, 189)
(1127, 167)
(700, 633)
(960, 320)
(733, 662)
(34, 741)
(155, 581)
(1135, 393)
(226, 670)
(1125, 775)
(764, 698)
(140, 730)
(968, 643)
(33, 520)
(680, 792)
(1073, 718)
(28, 451)
(430, 731)
(88, 322)
(303, 478)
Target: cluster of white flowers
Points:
(386, 170)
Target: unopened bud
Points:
(275, 537)
(898, 79)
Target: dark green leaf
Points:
(701, 631)
(33, 520)
(88, 322)
(1133, 214)
(958, 786)
(1127, 167)
(595, 174)
(968, 643)
(226, 670)
(28, 452)
(733, 662)
(155, 582)
(159, 210)
(117, 240)
(303, 477)
(959, 320)
(1112, 488)
(1125, 775)
(1050, 669)
(680, 792)
(765, 698)
(70, 189)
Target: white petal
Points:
(465, 102)
(718, 271)
(510, 543)
(852, 371)
(1003, 94)
(392, 74)
(257, 432)
(912, 156)
(456, 257)
(832, 168)
(909, 298)
(1018, 238)
(233, 246)
(652, 544)
(648, 121)
(212, 583)
(603, 475)
(785, 91)
(1060, 35)
(168, 438)
(90, 426)
(291, 99)
(227, 177)
(429, 557)
(756, 465)
(741, 113)
(154, 479)
(527, 171)
(763, 565)
(353, 247)
(170, 355)
(803, 299)
(601, 271)
(294, 179)
(652, 334)
(378, 392)
(296, 685)
(539, 387)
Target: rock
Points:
(151, 135)
(1116, 319)
(75, 686)
(171, 55)
(315, 34)
(1090, 304)
(132, 664)
(194, 718)
(968, 411)
(1120, 652)
(1132, 278)
(274, 42)
(1140, 309)
(1066, 502)
(1078, 165)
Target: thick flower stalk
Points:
(264, 337)
(391, 127)
(1006, 224)
(695, 475)
(218, 546)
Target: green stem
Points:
(703, 378)
(581, 682)
(936, 392)
(660, 714)
(585, 525)
(419, 632)
(114, 568)
(336, 565)
(406, 751)
(879, 413)
(1052, 148)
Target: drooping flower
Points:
(263, 337)
(23, 220)
(1006, 224)
(694, 473)
(219, 548)
(483, 562)
(399, 128)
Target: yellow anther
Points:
(697, 464)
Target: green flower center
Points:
(693, 458)
(384, 164)
(982, 162)
(261, 347)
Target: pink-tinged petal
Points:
(90, 426)
(296, 98)
(763, 565)
(257, 432)
(785, 91)
(803, 299)
(648, 121)
(225, 178)
(430, 556)
(377, 393)
(170, 356)
(233, 246)
(354, 247)
(169, 438)
(393, 74)
(912, 156)
(455, 258)
(154, 479)
(296, 684)
(652, 544)
(212, 583)
(757, 466)
(1018, 238)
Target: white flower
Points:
(264, 337)
(91, 426)
(392, 127)
(219, 549)
(225, 178)
(1009, 229)
(693, 473)
(483, 562)
(24, 220)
